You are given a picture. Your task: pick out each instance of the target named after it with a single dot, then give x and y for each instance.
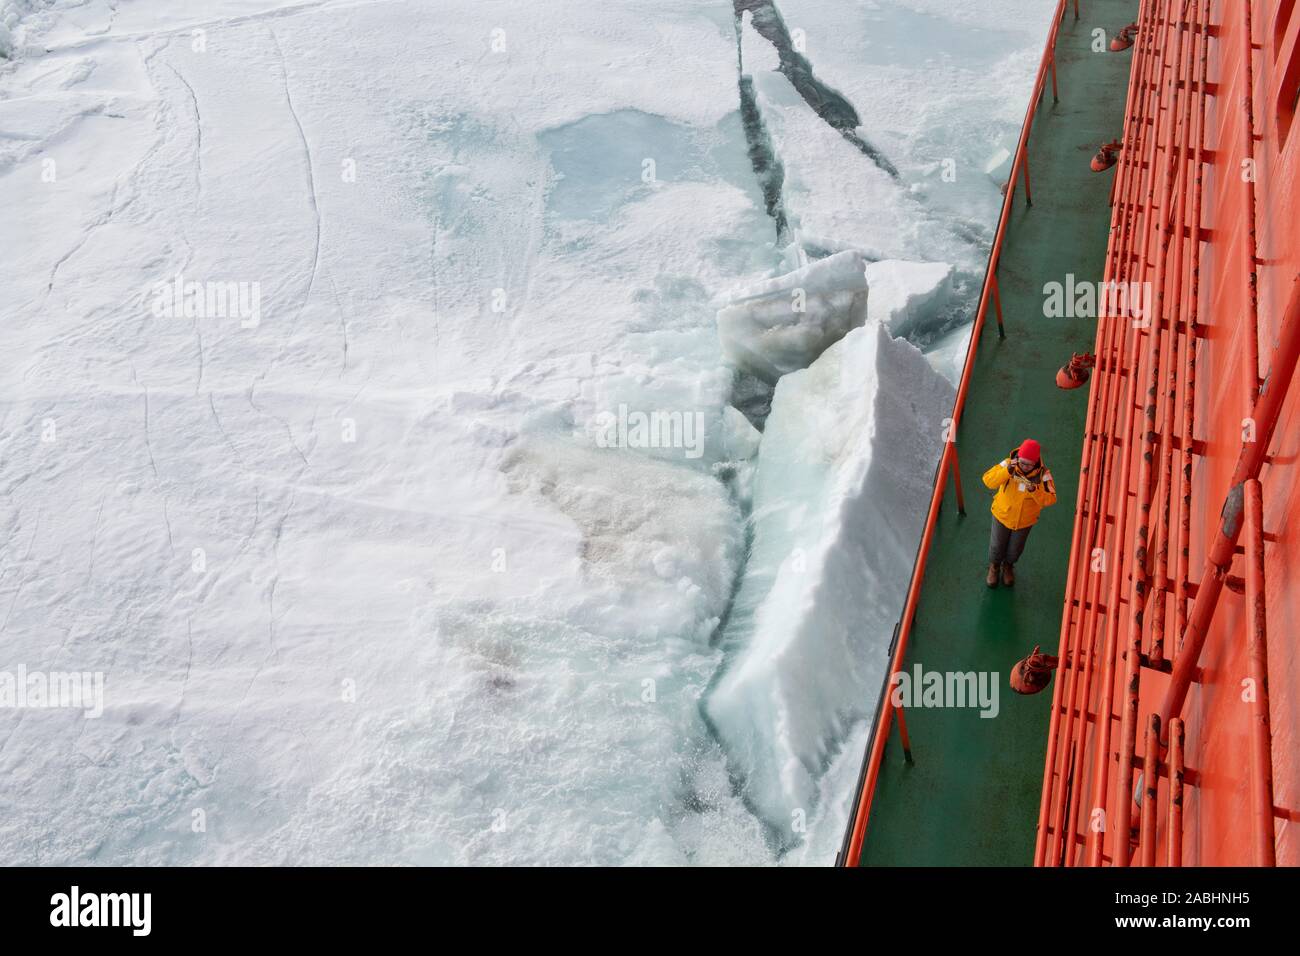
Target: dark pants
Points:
(1005, 545)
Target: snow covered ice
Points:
(338, 522)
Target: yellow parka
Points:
(1020, 497)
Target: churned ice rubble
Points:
(844, 472)
(836, 790)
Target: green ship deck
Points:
(971, 798)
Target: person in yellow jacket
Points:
(1024, 488)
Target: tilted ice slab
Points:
(783, 324)
(844, 474)
(909, 296)
(947, 356)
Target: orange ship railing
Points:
(851, 852)
(1261, 737)
(1135, 192)
(1152, 196)
(1102, 414)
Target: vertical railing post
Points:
(1024, 166)
(997, 304)
(956, 478)
(1175, 834)
(902, 735)
(1150, 791)
(1261, 736)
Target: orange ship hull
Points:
(1175, 722)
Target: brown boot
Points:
(991, 579)
(1008, 576)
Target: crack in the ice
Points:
(343, 324)
(311, 281)
(167, 520)
(827, 102)
(113, 208)
(148, 443)
(198, 199)
(198, 382)
(94, 540)
(836, 111)
(185, 681)
(198, 134)
(288, 429)
(224, 434)
(763, 159)
(311, 179)
(85, 238)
